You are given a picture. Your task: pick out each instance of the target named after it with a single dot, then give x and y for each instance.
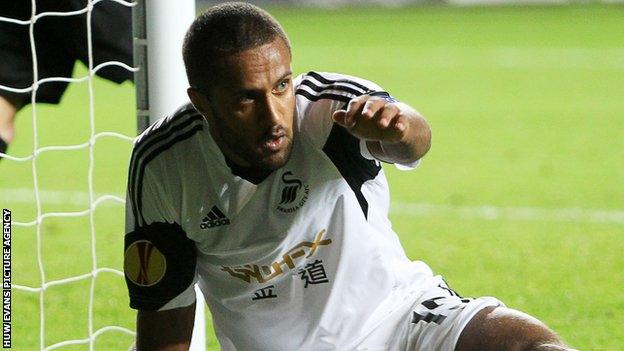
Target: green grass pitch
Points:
(527, 112)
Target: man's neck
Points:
(237, 165)
(253, 175)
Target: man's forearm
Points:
(413, 146)
(394, 132)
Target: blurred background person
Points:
(60, 41)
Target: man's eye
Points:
(282, 86)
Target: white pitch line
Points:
(578, 215)
(52, 197)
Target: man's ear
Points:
(200, 101)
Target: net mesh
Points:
(94, 199)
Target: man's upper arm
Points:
(159, 258)
(169, 330)
(159, 264)
(323, 93)
(328, 92)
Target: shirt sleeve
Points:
(320, 94)
(400, 166)
(159, 258)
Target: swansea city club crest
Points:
(294, 193)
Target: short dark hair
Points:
(223, 30)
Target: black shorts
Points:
(60, 41)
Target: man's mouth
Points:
(274, 142)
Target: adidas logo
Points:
(214, 218)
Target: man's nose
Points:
(271, 111)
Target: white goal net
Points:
(64, 183)
(15, 194)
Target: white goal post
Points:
(158, 29)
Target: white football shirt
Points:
(304, 260)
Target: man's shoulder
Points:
(316, 86)
(171, 125)
(163, 135)
(319, 94)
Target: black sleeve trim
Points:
(324, 80)
(159, 264)
(343, 149)
(318, 97)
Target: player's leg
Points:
(10, 104)
(441, 320)
(16, 67)
(54, 59)
(501, 328)
(439, 315)
(7, 124)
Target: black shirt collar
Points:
(251, 174)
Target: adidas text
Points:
(216, 223)
(214, 218)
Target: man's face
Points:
(250, 109)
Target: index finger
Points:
(354, 108)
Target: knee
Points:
(506, 329)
